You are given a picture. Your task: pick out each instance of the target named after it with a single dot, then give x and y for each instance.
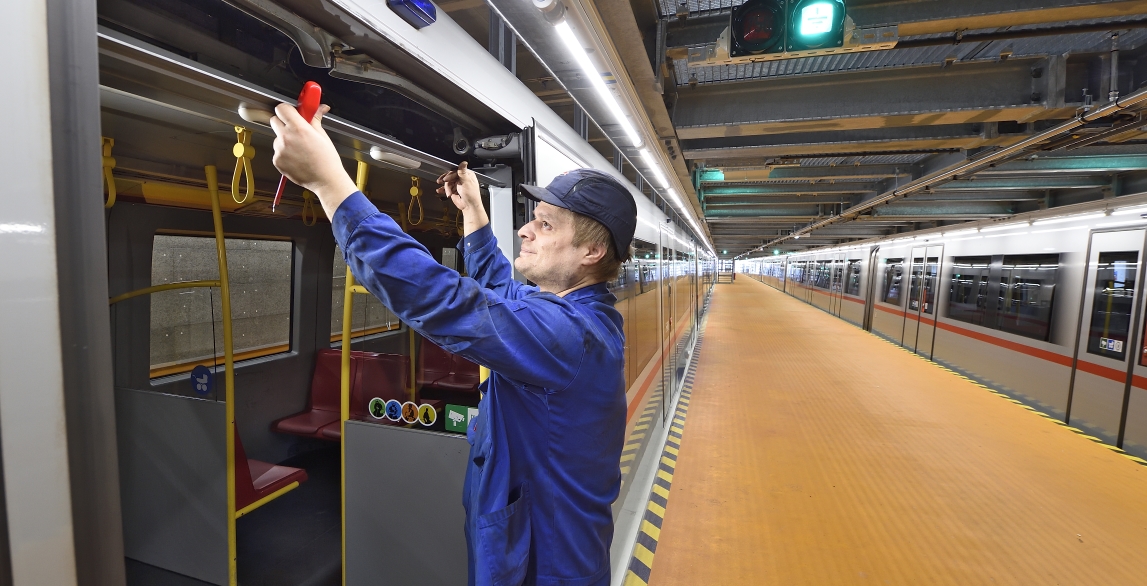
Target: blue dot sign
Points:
(202, 380)
(393, 410)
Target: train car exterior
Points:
(1045, 307)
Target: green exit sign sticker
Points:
(458, 417)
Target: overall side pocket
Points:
(505, 539)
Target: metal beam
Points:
(771, 200)
(1024, 183)
(974, 92)
(789, 189)
(1084, 164)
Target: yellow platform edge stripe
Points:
(642, 554)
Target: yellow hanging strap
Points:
(243, 152)
(108, 164)
(415, 197)
(309, 209)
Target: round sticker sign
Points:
(427, 415)
(202, 380)
(377, 408)
(409, 412)
(393, 410)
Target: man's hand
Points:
(306, 155)
(461, 186)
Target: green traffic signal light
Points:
(815, 24)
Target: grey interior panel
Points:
(405, 521)
(173, 482)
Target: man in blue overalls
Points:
(545, 447)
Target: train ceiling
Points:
(804, 146)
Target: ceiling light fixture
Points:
(566, 34)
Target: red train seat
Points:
(385, 376)
(256, 480)
(443, 371)
(324, 404)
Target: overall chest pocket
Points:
(505, 541)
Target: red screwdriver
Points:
(309, 100)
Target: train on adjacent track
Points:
(1046, 307)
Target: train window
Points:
(1111, 304)
(1027, 290)
(822, 277)
(915, 280)
(837, 276)
(853, 286)
(645, 255)
(968, 294)
(187, 324)
(368, 315)
(893, 275)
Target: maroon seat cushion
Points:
(255, 479)
(332, 431)
(305, 423)
(442, 370)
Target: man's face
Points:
(548, 256)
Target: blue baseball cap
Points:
(595, 194)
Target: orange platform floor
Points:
(816, 453)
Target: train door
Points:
(870, 288)
(1101, 373)
(920, 315)
(836, 287)
(668, 355)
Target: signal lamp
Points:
(816, 24)
(757, 26)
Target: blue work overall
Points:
(545, 447)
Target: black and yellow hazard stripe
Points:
(1011, 399)
(641, 563)
(638, 436)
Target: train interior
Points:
(226, 307)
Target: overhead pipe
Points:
(971, 167)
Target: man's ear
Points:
(595, 251)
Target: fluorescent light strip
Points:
(1139, 209)
(1061, 219)
(654, 167)
(1004, 227)
(575, 47)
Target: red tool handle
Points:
(309, 100)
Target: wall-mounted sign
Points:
(458, 417)
(202, 380)
(427, 415)
(377, 408)
(393, 410)
(409, 412)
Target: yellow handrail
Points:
(344, 378)
(108, 164)
(228, 365)
(243, 152)
(164, 287)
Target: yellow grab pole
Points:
(228, 367)
(348, 305)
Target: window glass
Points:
(187, 324)
(1111, 304)
(968, 294)
(853, 286)
(837, 276)
(368, 315)
(823, 274)
(893, 275)
(1027, 290)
